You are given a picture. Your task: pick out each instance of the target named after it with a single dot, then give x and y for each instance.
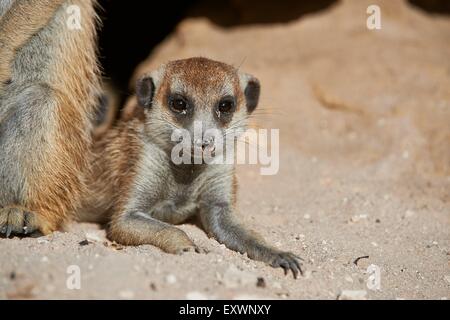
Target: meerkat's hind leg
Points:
(18, 221)
(137, 228)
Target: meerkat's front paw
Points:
(287, 261)
(191, 249)
(175, 241)
(17, 221)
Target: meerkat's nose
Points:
(205, 143)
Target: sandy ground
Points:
(364, 171)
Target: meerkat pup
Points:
(48, 95)
(142, 193)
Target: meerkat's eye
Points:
(226, 105)
(178, 105)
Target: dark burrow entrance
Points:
(131, 29)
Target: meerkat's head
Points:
(196, 92)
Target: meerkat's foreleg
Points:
(219, 222)
(23, 20)
(137, 228)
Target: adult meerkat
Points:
(141, 192)
(19, 21)
(47, 99)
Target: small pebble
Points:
(260, 282)
(409, 214)
(126, 294)
(83, 243)
(171, 279)
(352, 295)
(93, 237)
(359, 217)
(195, 295)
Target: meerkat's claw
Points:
(201, 250)
(191, 249)
(288, 261)
(297, 257)
(187, 249)
(17, 221)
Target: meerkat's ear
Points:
(251, 88)
(145, 90)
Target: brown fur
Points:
(60, 186)
(54, 177)
(112, 174)
(139, 190)
(115, 155)
(23, 20)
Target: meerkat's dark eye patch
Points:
(178, 104)
(145, 90)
